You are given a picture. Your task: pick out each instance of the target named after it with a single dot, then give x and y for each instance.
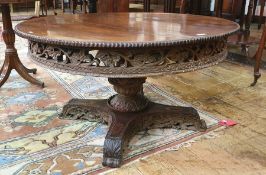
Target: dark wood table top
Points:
(124, 29)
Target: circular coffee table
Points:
(131, 47)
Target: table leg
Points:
(242, 15)
(198, 7)
(92, 6)
(54, 7)
(234, 10)
(169, 6)
(84, 8)
(147, 5)
(218, 8)
(183, 6)
(46, 7)
(258, 57)
(129, 112)
(261, 17)
(254, 9)
(11, 57)
(42, 7)
(72, 6)
(247, 27)
(62, 6)
(249, 17)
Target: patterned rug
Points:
(34, 141)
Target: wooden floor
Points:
(224, 91)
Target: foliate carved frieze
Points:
(130, 62)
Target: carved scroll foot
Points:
(120, 131)
(112, 152)
(125, 125)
